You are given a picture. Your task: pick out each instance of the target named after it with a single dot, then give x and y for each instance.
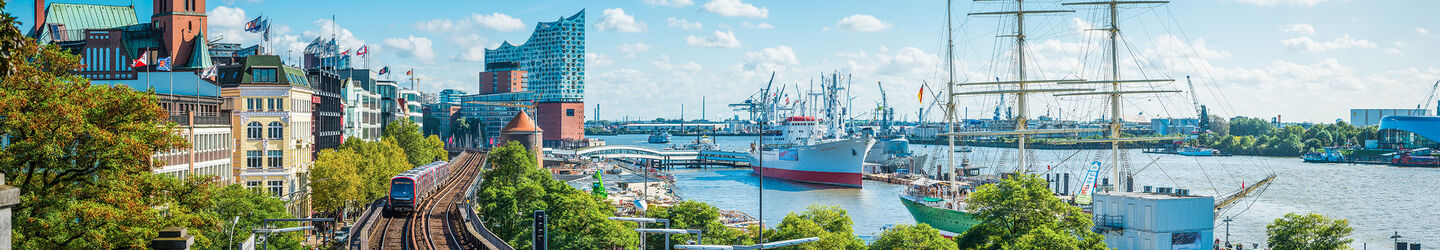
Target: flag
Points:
(363, 49)
(208, 72)
(266, 36)
(255, 26)
(384, 70)
(921, 95)
(346, 52)
(163, 64)
(410, 72)
(140, 62)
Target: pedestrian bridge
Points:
(666, 156)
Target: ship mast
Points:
(949, 92)
(1116, 121)
(1021, 91)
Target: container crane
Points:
(1203, 121)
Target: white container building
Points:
(1155, 220)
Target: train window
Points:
(401, 189)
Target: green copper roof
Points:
(80, 17)
(231, 76)
(200, 58)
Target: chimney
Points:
(39, 15)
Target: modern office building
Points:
(451, 95)
(410, 104)
(1367, 117)
(389, 101)
(492, 118)
(553, 59)
(272, 112)
(438, 119)
(329, 108)
(362, 104)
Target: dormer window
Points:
(263, 75)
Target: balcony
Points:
(1114, 223)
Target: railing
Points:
(359, 233)
(1110, 222)
(200, 120)
(474, 226)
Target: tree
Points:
(1219, 125)
(916, 236)
(832, 224)
(515, 188)
(431, 125)
(380, 161)
(252, 206)
(696, 215)
(1311, 231)
(418, 150)
(337, 183)
(1243, 126)
(1020, 212)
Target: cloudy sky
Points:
(1308, 60)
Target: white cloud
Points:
(758, 26)
(632, 48)
(721, 39)
(767, 60)
(597, 60)
(1422, 31)
(862, 23)
(1309, 45)
(616, 19)
(498, 21)
(683, 24)
(1287, 2)
(472, 54)
(1081, 25)
(685, 71)
(415, 47)
(223, 16)
(670, 3)
(735, 8)
(1299, 28)
(1393, 51)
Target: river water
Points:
(1377, 200)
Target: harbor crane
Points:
(1203, 121)
(1430, 98)
(885, 112)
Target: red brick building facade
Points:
(562, 121)
(179, 21)
(502, 81)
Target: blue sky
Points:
(1309, 60)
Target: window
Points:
(249, 103)
(252, 159)
(569, 112)
(277, 188)
(252, 130)
(277, 130)
(279, 104)
(277, 159)
(269, 104)
(252, 184)
(263, 75)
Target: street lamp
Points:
(668, 232)
(770, 245)
(643, 221)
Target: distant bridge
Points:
(663, 156)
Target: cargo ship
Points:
(805, 148)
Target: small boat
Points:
(1408, 160)
(963, 149)
(702, 143)
(1197, 151)
(1330, 155)
(660, 137)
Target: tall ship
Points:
(804, 148)
(942, 203)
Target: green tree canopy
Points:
(1020, 212)
(1243, 126)
(336, 180)
(1311, 231)
(913, 237)
(832, 224)
(380, 161)
(696, 215)
(515, 188)
(418, 151)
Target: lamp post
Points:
(233, 222)
(643, 221)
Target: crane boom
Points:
(504, 104)
(1431, 97)
(1194, 98)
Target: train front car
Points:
(402, 195)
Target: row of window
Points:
(277, 188)
(255, 159)
(253, 130)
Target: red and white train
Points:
(412, 186)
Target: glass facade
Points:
(554, 56)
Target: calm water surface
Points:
(1377, 200)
